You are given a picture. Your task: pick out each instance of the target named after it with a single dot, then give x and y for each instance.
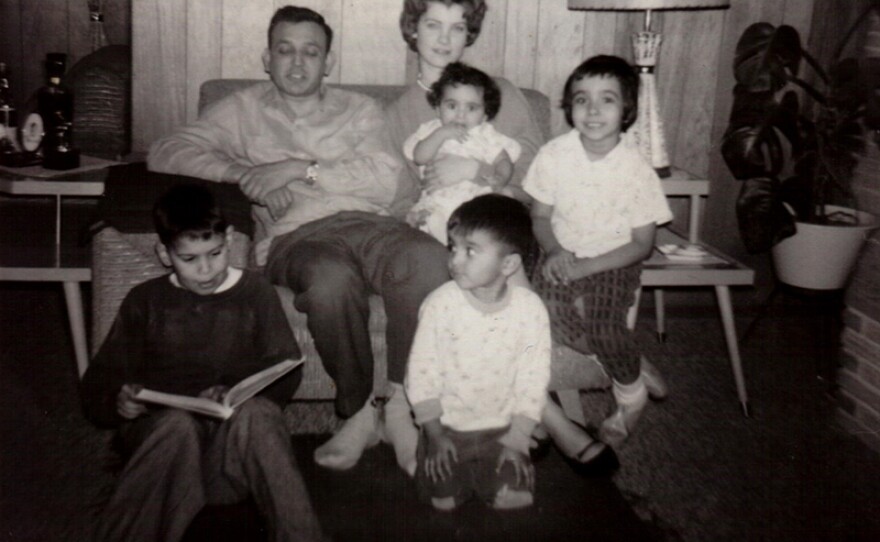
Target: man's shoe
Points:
(399, 429)
(345, 448)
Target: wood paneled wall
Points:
(177, 44)
(31, 28)
(534, 43)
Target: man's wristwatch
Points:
(312, 172)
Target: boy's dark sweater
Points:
(173, 340)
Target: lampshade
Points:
(622, 5)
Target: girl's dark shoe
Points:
(541, 448)
(595, 460)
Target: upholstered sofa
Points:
(123, 255)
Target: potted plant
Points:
(795, 145)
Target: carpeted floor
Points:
(696, 469)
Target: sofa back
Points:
(215, 89)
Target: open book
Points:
(236, 395)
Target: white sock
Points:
(631, 400)
(634, 394)
(358, 433)
(399, 428)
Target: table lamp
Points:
(646, 48)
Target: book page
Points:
(237, 395)
(255, 383)
(200, 405)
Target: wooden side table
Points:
(55, 262)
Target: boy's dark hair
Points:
(506, 219)
(606, 66)
(458, 73)
(187, 210)
(474, 11)
(296, 14)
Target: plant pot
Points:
(819, 256)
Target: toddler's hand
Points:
(126, 405)
(417, 218)
(441, 454)
(454, 130)
(525, 471)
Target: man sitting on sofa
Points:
(321, 179)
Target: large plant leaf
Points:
(835, 144)
(767, 57)
(848, 85)
(797, 190)
(751, 147)
(763, 220)
(787, 119)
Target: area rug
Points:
(376, 501)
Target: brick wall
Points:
(859, 376)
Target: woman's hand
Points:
(441, 453)
(278, 201)
(448, 169)
(525, 471)
(126, 405)
(559, 266)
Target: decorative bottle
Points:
(55, 107)
(8, 118)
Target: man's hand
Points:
(215, 393)
(259, 181)
(441, 453)
(449, 169)
(558, 268)
(525, 471)
(126, 405)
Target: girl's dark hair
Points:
(474, 11)
(506, 219)
(296, 14)
(187, 210)
(458, 73)
(606, 66)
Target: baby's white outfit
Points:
(484, 143)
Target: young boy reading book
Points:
(197, 331)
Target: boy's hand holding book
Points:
(127, 405)
(215, 393)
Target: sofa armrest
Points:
(120, 261)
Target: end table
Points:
(41, 262)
